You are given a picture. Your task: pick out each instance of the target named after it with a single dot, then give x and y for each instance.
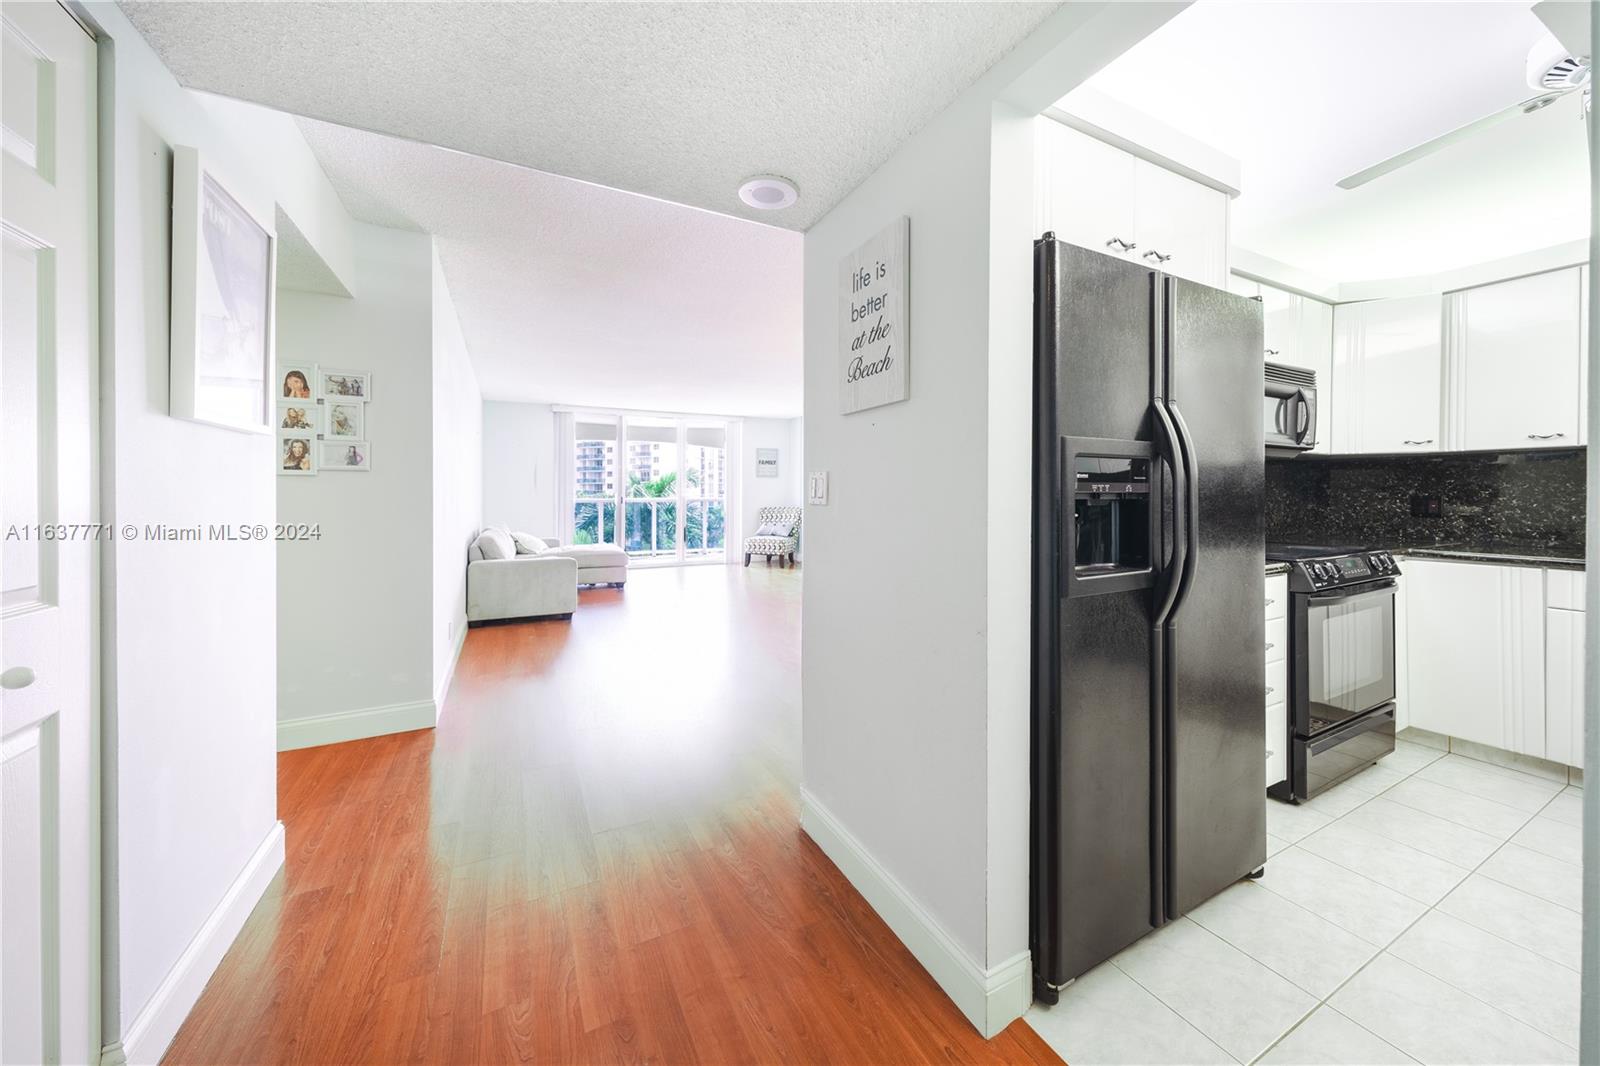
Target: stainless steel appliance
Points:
(1341, 705)
(1149, 486)
(1289, 410)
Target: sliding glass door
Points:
(654, 484)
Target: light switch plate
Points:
(817, 489)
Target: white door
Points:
(1314, 351)
(1386, 362)
(1515, 363)
(1280, 326)
(1085, 189)
(1180, 225)
(48, 898)
(1563, 728)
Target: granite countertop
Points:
(1506, 553)
(1277, 568)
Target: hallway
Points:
(594, 858)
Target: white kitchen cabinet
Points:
(1475, 649)
(1513, 363)
(1180, 225)
(1085, 189)
(1100, 197)
(1280, 325)
(1563, 682)
(1386, 375)
(1277, 676)
(1583, 355)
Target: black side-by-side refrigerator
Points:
(1149, 733)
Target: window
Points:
(656, 485)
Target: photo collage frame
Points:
(321, 420)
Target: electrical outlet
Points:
(1425, 506)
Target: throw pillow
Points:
(528, 544)
(494, 544)
(775, 529)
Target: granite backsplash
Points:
(1532, 498)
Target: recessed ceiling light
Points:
(768, 192)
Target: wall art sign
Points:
(874, 320)
(766, 462)
(224, 265)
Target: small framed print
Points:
(344, 420)
(344, 385)
(302, 415)
(297, 454)
(766, 462)
(297, 381)
(349, 455)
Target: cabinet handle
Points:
(1545, 436)
(1154, 256)
(1269, 645)
(1428, 441)
(1270, 690)
(1121, 245)
(1271, 601)
(1272, 351)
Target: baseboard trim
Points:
(990, 998)
(443, 691)
(340, 726)
(152, 1030)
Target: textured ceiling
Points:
(1304, 94)
(573, 293)
(680, 101)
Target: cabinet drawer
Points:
(1277, 682)
(1278, 596)
(1277, 639)
(1277, 742)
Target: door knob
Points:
(17, 677)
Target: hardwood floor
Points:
(595, 858)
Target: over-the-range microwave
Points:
(1289, 410)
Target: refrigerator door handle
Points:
(1171, 453)
(1191, 509)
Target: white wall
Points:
(758, 492)
(916, 695)
(519, 475)
(354, 630)
(188, 688)
(457, 479)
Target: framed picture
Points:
(297, 454)
(224, 263)
(344, 420)
(302, 415)
(875, 319)
(353, 455)
(766, 462)
(296, 381)
(345, 385)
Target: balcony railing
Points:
(651, 528)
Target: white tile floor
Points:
(1425, 911)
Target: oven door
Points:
(1345, 658)
(1289, 418)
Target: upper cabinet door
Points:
(1180, 225)
(1515, 361)
(1386, 364)
(1085, 190)
(1583, 355)
(1314, 351)
(1280, 320)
